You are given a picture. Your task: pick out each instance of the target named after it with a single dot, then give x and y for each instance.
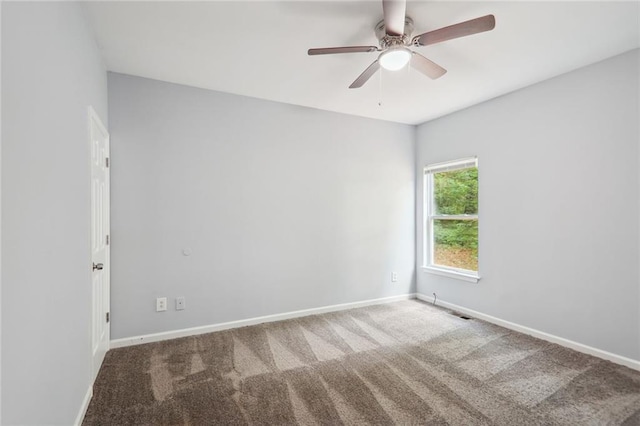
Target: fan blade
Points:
(349, 49)
(366, 75)
(426, 66)
(473, 26)
(394, 15)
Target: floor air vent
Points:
(459, 315)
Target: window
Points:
(451, 219)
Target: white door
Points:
(100, 266)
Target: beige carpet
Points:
(399, 363)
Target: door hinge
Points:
(107, 240)
(107, 316)
(107, 161)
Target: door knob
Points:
(98, 266)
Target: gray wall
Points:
(284, 208)
(559, 186)
(51, 73)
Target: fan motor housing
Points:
(389, 40)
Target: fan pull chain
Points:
(380, 88)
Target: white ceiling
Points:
(258, 49)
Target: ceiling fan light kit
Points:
(395, 58)
(394, 36)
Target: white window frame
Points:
(430, 217)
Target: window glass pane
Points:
(455, 243)
(456, 192)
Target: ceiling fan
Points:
(394, 35)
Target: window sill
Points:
(472, 278)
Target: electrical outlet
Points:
(161, 304)
(180, 303)
(394, 277)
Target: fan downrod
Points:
(389, 40)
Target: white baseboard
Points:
(156, 337)
(627, 362)
(84, 406)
